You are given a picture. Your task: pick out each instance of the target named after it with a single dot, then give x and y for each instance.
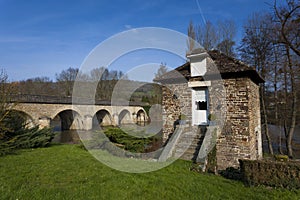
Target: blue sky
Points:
(41, 38)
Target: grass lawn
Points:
(69, 172)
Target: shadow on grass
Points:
(232, 174)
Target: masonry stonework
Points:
(81, 115)
(240, 135)
(176, 103)
(238, 139)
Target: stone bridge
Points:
(61, 114)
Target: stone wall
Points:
(176, 101)
(238, 139)
(237, 111)
(255, 118)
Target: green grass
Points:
(69, 172)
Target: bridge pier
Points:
(115, 119)
(88, 122)
(134, 117)
(44, 122)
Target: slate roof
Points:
(227, 66)
(196, 51)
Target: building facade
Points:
(215, 91)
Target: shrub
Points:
(271, 173)
(212, 117)
(14, 131)
(16, 135)
(130, 143)
(182, 117)
(283, 158)
(231, 173)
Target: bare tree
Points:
(256, 49)
(290, 131)
(106, 81)
(271, 43)
(37, 86)
(219, 37)
(5, 92)
(207, 36)
(287, 17)
(66, 79)
(96, 74)
(226, 33)
(276, 75)
(191, 37)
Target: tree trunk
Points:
(294, 106)
(277, 123)
(279, 141)
(266, 121)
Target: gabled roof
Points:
(228, 67)
(228, 64)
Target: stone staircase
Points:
(189, 143)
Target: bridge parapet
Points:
(47, 99)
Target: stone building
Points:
(215, 100)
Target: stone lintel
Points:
(199, 84)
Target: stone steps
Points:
(189, 144)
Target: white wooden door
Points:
(199, 106)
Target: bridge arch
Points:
(102, 118)
(68, 119)
(22, 117)
(141, 116)
(125, 117)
